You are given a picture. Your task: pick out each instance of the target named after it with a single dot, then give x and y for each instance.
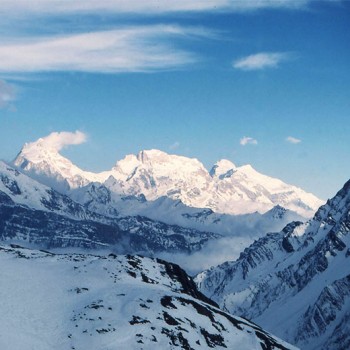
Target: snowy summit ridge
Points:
(152, 173)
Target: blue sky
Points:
(264, 82)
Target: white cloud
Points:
(131, 49)
(142, 7)
(248, 141)
(59, 140)
(292, 139)
(260, 61)
(175, 145)
(7, 94)
(214, 253)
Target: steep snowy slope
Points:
(295, 283)
(154, 174)
(23, 190)
(112, 302)
(45, 164)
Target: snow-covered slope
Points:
(45, 164)
(98, 198)
(247, 190)
(25, 191)
(112, 302)
(155, 174)
(295, 283)
(35, 214)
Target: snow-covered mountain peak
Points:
(39, 155)
(276, 211)
(157, 163)
(37, 151)
(152, 155)
(127, 165)
(222, 169)
(155, 174)
(156, 157)
(46, 164)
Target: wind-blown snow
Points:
(42, 160)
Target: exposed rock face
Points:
(295, 282)
(330, 305)
(131, 234)
(76, 301)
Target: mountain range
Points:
(282, 264)
(225, 189)
(34, 214)
(170, 191)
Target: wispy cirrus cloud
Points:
(246, 140)
(293, 140)
(260, 61)
(129, 49)
(7, 94)
(143, 7)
